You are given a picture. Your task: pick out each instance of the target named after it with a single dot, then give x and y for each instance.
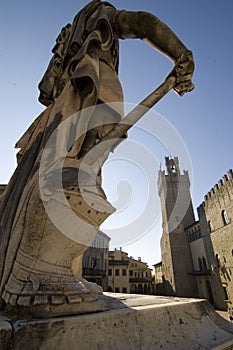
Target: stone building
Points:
(95, 261)
(216, 221)
(128, 275)
(158, 279)
(177, 215)
(197, 251)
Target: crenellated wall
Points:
(216, 217)
(223, 185)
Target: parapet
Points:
(222, 183)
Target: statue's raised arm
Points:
(146, 26)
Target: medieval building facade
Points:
(197, 256)
(128, 275)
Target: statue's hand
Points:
(183, 72)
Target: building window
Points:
(210, 225)
(124, 290)
(204, 263)
(124, 272)
(210, 292)
(110, 272)
(200, 264)
(117, 290)
(225, 293)
(117, 272)
(134, 264)
(131, 271)
(217, 260)
(225, 217)
(133, 289)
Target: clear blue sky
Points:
(203, 118)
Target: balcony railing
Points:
(93, 272)
(118, 262)
(140, 280)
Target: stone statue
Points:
(40, 260)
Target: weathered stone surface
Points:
(134, 322)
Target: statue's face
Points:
(46, 85)
(50, 85)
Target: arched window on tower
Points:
(225, 217)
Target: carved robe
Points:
(35, 266)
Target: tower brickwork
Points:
(177, 214)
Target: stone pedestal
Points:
(132, 322)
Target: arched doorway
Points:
(133, 289)
(140, 289)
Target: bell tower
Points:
(177, 215)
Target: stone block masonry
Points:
(134, 322)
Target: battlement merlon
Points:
(222, 183)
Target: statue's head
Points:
(67, 45)
(55, 67)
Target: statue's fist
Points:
(183, 72)
(183, 87)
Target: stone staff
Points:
(119, 130)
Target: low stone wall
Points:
(134, 322)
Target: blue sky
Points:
(203, 118)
